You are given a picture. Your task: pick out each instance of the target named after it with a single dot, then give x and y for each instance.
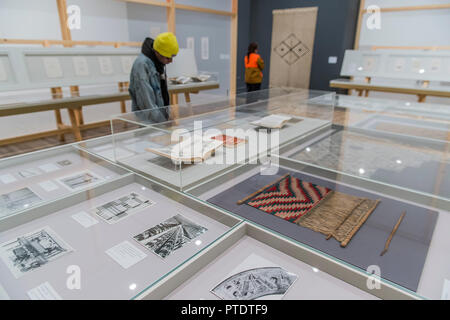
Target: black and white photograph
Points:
(116, 210)
(17, 200)
(79, 180)
(255, 278)
(32, 251)
(255, 283)
(169, 235)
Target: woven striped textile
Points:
(332, 213)
(289, 198)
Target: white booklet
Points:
(191, 150)
(274, 121)
(201, 78)
(180, 80)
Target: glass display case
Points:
(271, 271)
(308, 103)
(132, 238)
(210, 138)
(107, 241)
(262, 186)
(360, 224)
(40, 177)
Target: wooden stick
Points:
(388, 242)
(261, 189)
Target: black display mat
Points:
(402, 264)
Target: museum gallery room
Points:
(224, 150)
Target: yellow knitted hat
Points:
(166, 44)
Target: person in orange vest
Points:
(253, 68)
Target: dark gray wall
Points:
(244, 17)
(335, 31)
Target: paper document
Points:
(126, 254)
(274, 121)
(44, 292)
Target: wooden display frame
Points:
(238, 228)
(363, 10)
(171, 6)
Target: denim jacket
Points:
(145, 90)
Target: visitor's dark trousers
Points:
(253, 87)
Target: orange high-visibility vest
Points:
(253, 62)
(253, 68)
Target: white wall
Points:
(25, 19)
(144, 20)
(110, 20)
(102, 20)
(408, 28)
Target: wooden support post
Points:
(123, 86)
(62, 12)
(233, 47)
(422, 97)
(74, 120)
(174, 110)
(78, 116)
(187, 97)
(57, 94)
(171, 20)
(59, 124)
(367, 80)
(75, 92)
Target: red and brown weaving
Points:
(289, 198)
(229, 141)
(309, 205)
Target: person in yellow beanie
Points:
(148, 79)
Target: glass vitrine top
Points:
(426, 120)
(40, 177)
(417, 164)
(215, 107)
